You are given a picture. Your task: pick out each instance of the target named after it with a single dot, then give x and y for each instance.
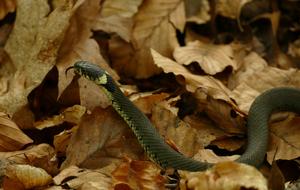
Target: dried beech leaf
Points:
(7, 6)
(12, 138)
(138, 175)
(268, 77)
(210, 85)
(116, 16)
(102, 138)
(211, 58)
(62, 140)
(72, 114)
(78, 178)
(198, 11)
(284, 142)
(147, 100)
(153, 28)
(42, 156)
(224, 176)
(231, 8)
(32, 46)
(29, 176)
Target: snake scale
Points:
(276, 99)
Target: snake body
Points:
(277, 99)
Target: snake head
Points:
(94, 73)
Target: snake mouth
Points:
(69, 68)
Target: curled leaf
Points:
(29, 176)
(12, 138)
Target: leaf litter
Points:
(193, 68)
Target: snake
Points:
(272, 100)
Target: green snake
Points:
(276, 99)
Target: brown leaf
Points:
(29, 176)
(207, 84)
(32, 46)
(12, 138)
(153, 24)
(138, 175)
(7, 6)
(198, 11)
(211, 58)
(102, 138)
(42, 156)
(84, 179)
(284, 142)
(269, 77)
(72, 114)
(231, 9)
(222, 177)
(116, 16)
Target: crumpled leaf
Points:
(29, 176)
(102, 138)
(78, 178)
(224, 176)
(12, 138)
(211, 58)
(42, 156)
(229, 8)
(138, 175)
(32, 46)
(248, 87)
(7, 6)
(207, 84)
(72, 114)
(116, 16)
(284, 142)
(197, 11)
(153, 28)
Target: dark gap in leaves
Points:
(8, 19)
(187, 105)
(180, 37)
(290, 169)
(200, 29)
(223, 152)
(46, 135)
(43, 99)
(167, 82)
(195, 68)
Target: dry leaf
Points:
(102, 138)
(7, 6)
(62, 140)
(138, 175)
(229, 8)
(284, 142)
(198, 11)
(269, 77)
(32, 46)
(206, 84)
(72, 114)
(211, 58)
(116, 16)
(29, 176)
(77, 178)
(42, 156)
(12, 138)
(153, 28)
(224, 176)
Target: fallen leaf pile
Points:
(193, 67)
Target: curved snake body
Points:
(277, 99)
